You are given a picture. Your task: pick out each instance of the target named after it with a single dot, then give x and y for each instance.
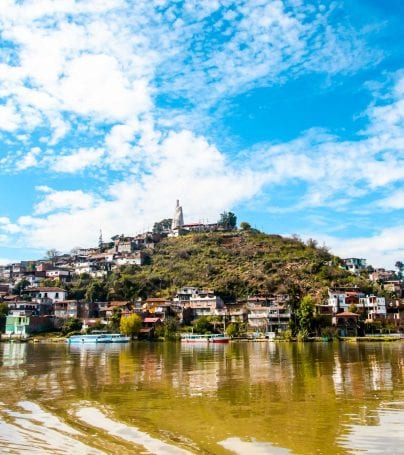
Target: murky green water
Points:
(243, 398)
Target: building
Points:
(270, 313)
(354, 265)
(55, 294)
(22, 326)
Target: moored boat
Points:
(197, 338)
(98, 338)
(92, 339)
(118, 338)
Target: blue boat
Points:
(98, 338)
(92, 339)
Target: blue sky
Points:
(289, 113)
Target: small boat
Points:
(98, 338)
(196, 338)
(118, 338)
(92, 339)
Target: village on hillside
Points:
(34, 296)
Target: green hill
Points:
(234, 264)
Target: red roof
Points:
(151, 320)
(346, 314)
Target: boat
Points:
(98, 338)
(92, 339)
(197, 338)
(118, 338)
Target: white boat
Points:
(95, 338)
(92, 339)
(118, 338)
(196, 338)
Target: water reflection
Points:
(302, 398)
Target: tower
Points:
(178, 218)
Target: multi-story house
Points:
(354, 265)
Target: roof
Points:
(156, 299)
(45, 289)
(151, 320)
(346, 314)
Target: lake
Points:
(168, 398)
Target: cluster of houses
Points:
(46, 308)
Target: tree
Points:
(96, 291)
(202, 325)
(52, 254)
(20, 286)
(3, 315)
(305, 316)
(400, 266)
(244, 226)
(228, 220)
(168, 330)
(232, 330)
(71, 325)
(130, 325)
(163, 225)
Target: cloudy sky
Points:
(289, 113)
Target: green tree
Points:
(168, 330)
(244, 226)
(130, 325)
(115, 319)
(96, 291)
(163, 225)
(228, 220)
(71, 325)
(202, 325)
(305, 316)
(3, 315)
(232, 330)
(20, 286)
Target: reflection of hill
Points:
(299, 396)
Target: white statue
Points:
(178, 218)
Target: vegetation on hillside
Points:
(234, 264)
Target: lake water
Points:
(168, 398)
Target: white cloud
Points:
(77, 161)
(9, 118)
(28, 160)
(63, 200)
(394, 201)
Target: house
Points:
(395, 314)
(149, 326)
(339, 299)
(374, 308)
(62, 275)
(382, 275)
(197, 302)
(346, 323)
(115, 306)
(55, 294)
(354, 265)
(135, 258)
(25, 325)
(24, 307)
(269, 313)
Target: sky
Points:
(288, 113)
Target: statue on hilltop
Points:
(178, 218)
